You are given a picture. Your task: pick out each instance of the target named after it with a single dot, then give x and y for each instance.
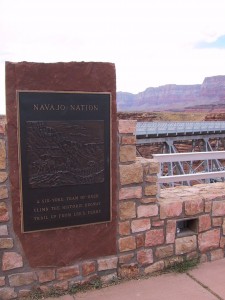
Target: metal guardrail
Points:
(178, 128)
(189, 177)
(193, 156)
(189, 156)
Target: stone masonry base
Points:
(147, 235)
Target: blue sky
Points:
(151, 42)
(219, 43)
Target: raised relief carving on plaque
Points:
(64, 153)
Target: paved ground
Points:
(206, 282)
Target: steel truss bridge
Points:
(168, 138)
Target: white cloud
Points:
(151, 42)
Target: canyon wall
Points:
(208, 97)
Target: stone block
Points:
(126, 258)
(217, 221)
(151, 178)
(7, 293)
(170, 231)
(185, 244)
(151, 166)
(128, 271)
(222, 242)
(127, 153)
(193, 207)
(154, 167)
(157, 223)
(3, 230)
(154, 237)
(127, 243)
(2, 155)
(3, 176)
(151, 190)
(209, 240)
(170, 209)
(156, 267)
(217, 254)
(140, 240)
(4, 218)
(127, 210)
(3, 192)
(4, 215)
(6, 243)
(147, 210)
(172, 261)
(109, 278)
(67, 272)
(107, 263)
(46, 275)
(124, 228)
(22, 279)
(2, 127)
(147, 200)
(204, 223)
(130, 174)
(85, 280)
(140, 225)
(127, 126)
(134, 192)
(145, 257)
(218, 208)
(192, 255)
(62, 286)
(145, 163)
(3, 208)
(2, 280)
(164, 251)
(223, 226)
(208, 206)
(88, 268)
(203, 258)
(11, 260)
(128, 140)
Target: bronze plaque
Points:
(65, 157)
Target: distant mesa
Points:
(206, 97)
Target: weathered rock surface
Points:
(208, 96)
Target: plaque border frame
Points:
(18, 91)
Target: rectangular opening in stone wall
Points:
(186, 227)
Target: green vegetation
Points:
(177, 267)
(183, 267)
(57, 292)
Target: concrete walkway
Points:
(206, 282)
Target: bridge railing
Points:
(168, 128)
(185, 157)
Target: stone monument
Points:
(62, 155)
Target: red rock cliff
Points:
(208, 96)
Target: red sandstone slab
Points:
(165, 287)
(211, 275)
(60, 247)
